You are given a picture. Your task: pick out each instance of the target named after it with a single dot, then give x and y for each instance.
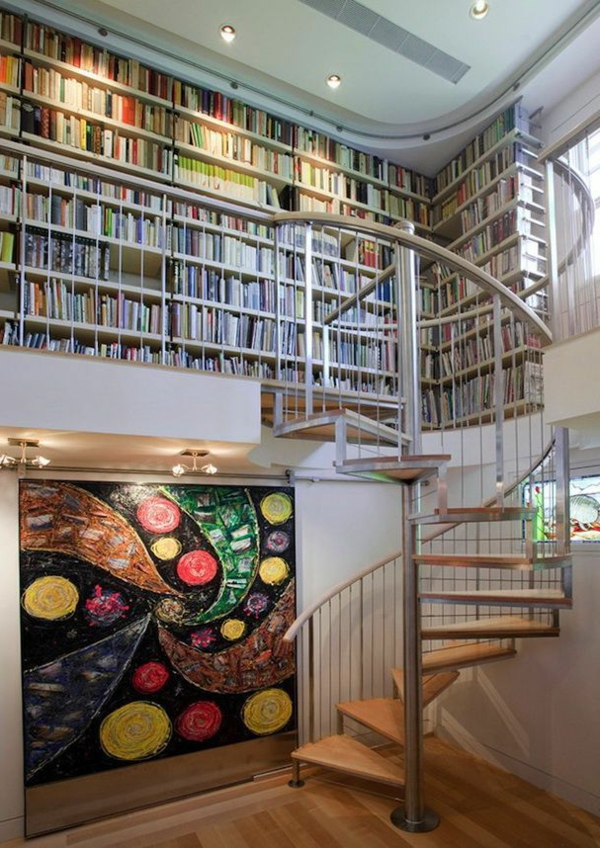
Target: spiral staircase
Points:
(477, 571)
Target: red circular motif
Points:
(150, 677)
(158, 515)
(199, 722)
(197, 568)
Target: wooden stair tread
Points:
(383, 715)
(518, 597)
(347, 755)
(504, 627)
(511, 561)
(433, 684)
(465, 654)
(464, 515)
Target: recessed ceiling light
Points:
(227, 33)
(479, 10)
(334, 81)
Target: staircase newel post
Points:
(308, 322)
(413, 816)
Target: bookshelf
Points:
(135, 224)
(488, 208)
(65, 94)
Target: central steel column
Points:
(413, 816)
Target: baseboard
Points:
(12, 829)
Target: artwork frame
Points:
(173, 599)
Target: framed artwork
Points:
(152, 621)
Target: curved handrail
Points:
(301, 620)
(580, 188)
(431, 251)
(308, 613)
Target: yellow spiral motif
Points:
(52, 598)
(136, 731)
(167, 548)
(267, 711)
(273, 570)
(233, 629)
(276, 508)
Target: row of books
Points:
(73, 51)
(179, 357)
(225, 249)
(7, 246)
(483, 207)
(513, 221)
(83, 134)
(235, 147)
(223, 220)
(10, 200)
(56, 301)
(11, 28)
(232, 111)
(514, 117)
(96, 219)
(101, 189)
(10, 112)
(10, 70)
(80, 95)
(67, 255)
(193, 281)
(216, 327)
(521, 384)
(43, 340)
(217, 179)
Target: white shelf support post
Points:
(308, 323)
(409, 387)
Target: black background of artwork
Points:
(44, 641)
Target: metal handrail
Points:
(308, 613)
(431, 251)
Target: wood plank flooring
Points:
(479, 805)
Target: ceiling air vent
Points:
(385, 32)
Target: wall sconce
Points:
(180, 469)
(39, 461)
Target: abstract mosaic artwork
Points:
(152, 621)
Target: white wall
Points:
(102, 396)
(537, 714)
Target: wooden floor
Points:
(479, 805)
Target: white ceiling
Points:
(285, 50)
